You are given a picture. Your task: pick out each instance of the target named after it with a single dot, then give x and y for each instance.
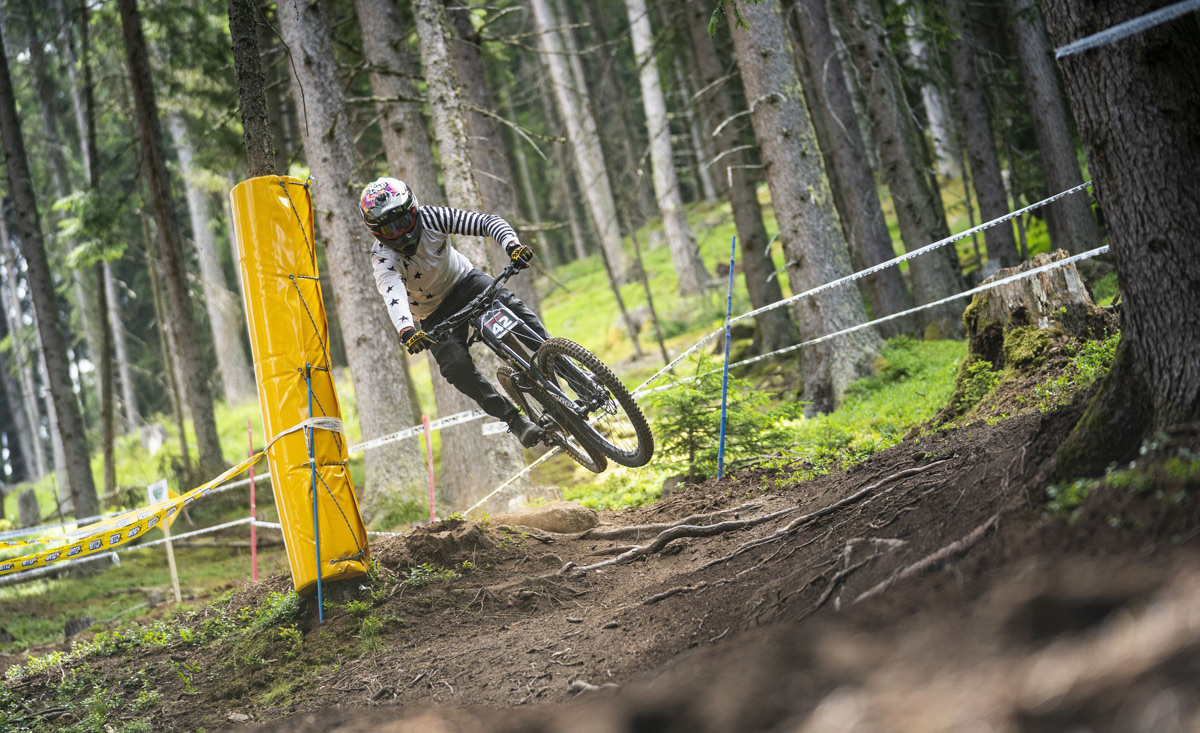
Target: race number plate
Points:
(499, 320)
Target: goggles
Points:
(397, 223)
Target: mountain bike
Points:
(578, 402)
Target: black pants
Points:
(451, 353)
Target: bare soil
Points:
(922, 590)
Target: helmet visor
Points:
(396, 223)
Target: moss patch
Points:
(1026, 347)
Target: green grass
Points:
(914, 381)
(34, 612)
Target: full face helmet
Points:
(389, 209)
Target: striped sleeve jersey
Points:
(414, 286)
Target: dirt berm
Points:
(923, 590)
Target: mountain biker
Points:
(423, 279)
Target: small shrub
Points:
(146, 700)
(1063, 499)
(426, 574)
(294, 638)
(689, 422)
(278, 608)
(1089, 363)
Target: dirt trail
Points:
(772, 638)
(973, 610)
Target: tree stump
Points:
(1010, 326)
(1013, 327)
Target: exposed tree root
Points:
(813, 516)
(638, 531)
(659, 597)
(951, 550)
(679, 532)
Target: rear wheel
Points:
(561, 425)
(615, 425)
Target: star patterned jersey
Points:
(413, 287)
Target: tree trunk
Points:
(701, 145)
(562, 166)
(976, 124)
(256, 123)
(103, 353)
(577, 117)
(107, 418)
(371, 347)
(612, 103)
(166, 346)
(129, 404)
(935, 275)
(225, 318)
(808, 224)
(947, 154)
(64, 487)
(1137, 103)
(19, 429)
(467, 478)
(405, 137)
(773, 329)
(199, 395)
(531, 203)
(409, 154)
(66, 46)
(1070, 222)
(91, 315)
(861, 213)
(23, 358)
(41, 286)
(112, 335)
(485, 138)
(693, 277)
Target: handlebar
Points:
(477, 304)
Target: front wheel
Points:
(562, 427)
(615, 424)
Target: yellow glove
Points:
(521, 255)
(416, 341)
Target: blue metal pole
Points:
(725, 371)
(312, 462)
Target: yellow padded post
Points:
(285, 312)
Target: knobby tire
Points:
(561, 418)
(558, 370)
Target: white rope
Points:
(987, 286)
(1128, 28)
(641, 389)
(910, 255)
(509, 482)
(457, 418)
(193, 533)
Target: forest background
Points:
(623, 140)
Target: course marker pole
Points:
(253, 512)
(157, 493)
(312, 462)
(725, 369)
(429, 462)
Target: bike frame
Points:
(473, 314)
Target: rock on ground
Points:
(560, 516)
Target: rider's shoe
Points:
(526, 430)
